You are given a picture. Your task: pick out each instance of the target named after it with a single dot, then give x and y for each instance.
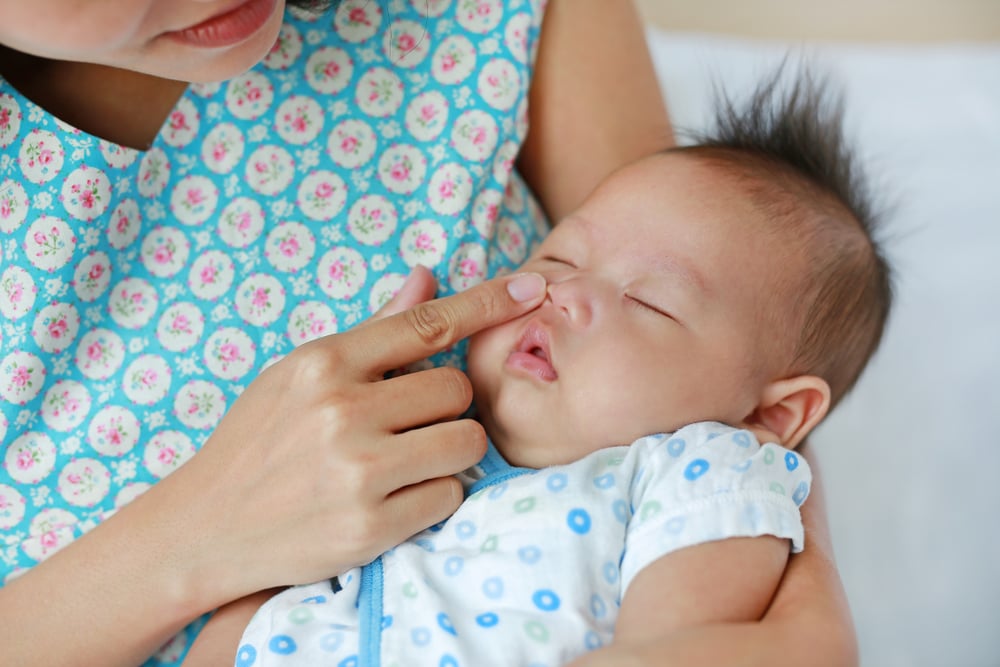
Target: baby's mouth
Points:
(532, 354)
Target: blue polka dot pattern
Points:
(487, 620)
(282, 644)
(578, 521)
(551, 582)
(696, 469)
(246, 656)
(545, 600)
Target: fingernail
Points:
(526, 287)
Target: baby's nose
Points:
(574, 298)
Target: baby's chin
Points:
(536, 453)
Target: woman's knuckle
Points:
(432, 324)
(456, 383)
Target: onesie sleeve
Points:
(707, 482)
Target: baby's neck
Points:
(121, 106)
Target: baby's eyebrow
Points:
(686, 271)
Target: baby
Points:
(717, 296)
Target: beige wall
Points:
(853, 20)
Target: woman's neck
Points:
(121, 106)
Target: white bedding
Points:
(910, 459)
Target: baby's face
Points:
(653, 320)
(143, 35)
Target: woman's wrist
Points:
(113, 597)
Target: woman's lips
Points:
(231, 27)
(532, 354)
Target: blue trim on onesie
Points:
(496, 470)
(370, 615)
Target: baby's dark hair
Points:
(785, 144)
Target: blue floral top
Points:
(140, 292)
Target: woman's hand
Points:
(320, 465)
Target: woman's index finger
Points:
(414, 334)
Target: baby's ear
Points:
(789, 409)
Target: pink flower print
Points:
(399, 171)
(229, 352)
(478, 136)
(468, 268)
(427, 113)
(424, 242)
(25, 460)
(181, 323)
(74, 478)
(446, 190)
(149, 377)
(337, 271)
(167, 454)
(195, 196)
(289, 247)
(178, 121)
(358, 15)
(448, 62)
(44, 156)
(95, 351)
(4, 118)
(349, 144)
(491, 212)
(96, 271)
(243, 222)
(22, 376)
(136, 298)
(493, 80)
(17, 293)
(57, 329)
(207, 274)
(260, 297)
(114, 436)
(317, 327)
(406, 42)
(163, 254)
(87, 199)
(253, 94)
(324, 190)
(300, 124)
(40, 238)
(122, 224)
(332, 69)
(483, 9)
(49, 540)
(260, 167)
(5, 209)
(219, 151)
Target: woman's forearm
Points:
(115, 595)
(811, 601)
(595, 102)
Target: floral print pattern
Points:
(142, 291)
